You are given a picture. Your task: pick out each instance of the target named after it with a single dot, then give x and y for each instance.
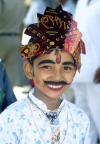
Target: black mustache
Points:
(56, 83)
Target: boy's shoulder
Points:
(15, 115)
(16, 109)
(77, 114)
(19, 105)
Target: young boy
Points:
(53, 56)
(7, 96)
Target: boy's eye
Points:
(46, 67)
(67, 68)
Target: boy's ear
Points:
(28, 69)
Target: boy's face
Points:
(47, 71)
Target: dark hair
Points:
(31, 60)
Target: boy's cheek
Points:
(36, 81)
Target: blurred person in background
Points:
(28, 3)
(87, 83)
(51, 3)
(12, 13)
(67, 5)
(7, 96)
(75, 1)
(55, 3)
(37, 6)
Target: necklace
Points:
(55, 137)
(52, 115)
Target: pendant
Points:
(56, 136)
(51, 116)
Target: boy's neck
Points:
(51, 103)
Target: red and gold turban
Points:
(55, 30)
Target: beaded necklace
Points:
(52, 115)
(56, 135)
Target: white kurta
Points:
(18, 126)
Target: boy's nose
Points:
(57, 75)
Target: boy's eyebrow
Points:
(68, 63)
(45, 62)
